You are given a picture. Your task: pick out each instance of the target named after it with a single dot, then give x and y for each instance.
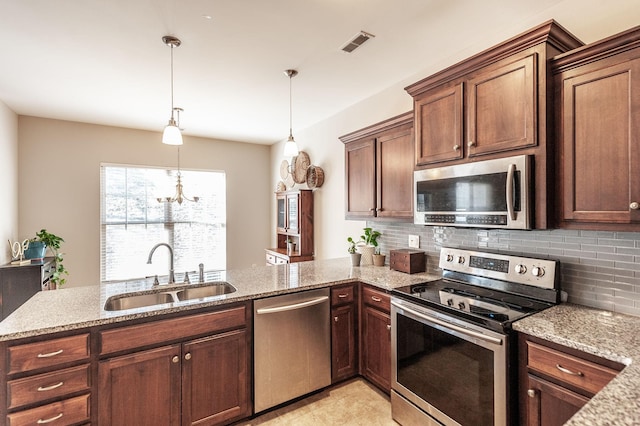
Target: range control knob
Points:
(450, 302)
(449, 258)
(537, 271)
(461, 305)
(461, 260)
(520, 269)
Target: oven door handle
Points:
(449, 325)
(511, 171)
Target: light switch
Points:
(414, 241)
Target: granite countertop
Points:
(605, 334)
(79, 307)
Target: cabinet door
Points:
(395, 174)
(601, 145)
(281, 201)
(293, 213)
(549, 404)
(502, 108)
(360, 166)
(376, 350)
(140, 389)
(215, 379)
(343, 342)
(438, 116)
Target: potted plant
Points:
(291, 246)
(355, 256)
(42, 240)
(369, 243)
(378, 259)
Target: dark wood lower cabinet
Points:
(141, 388)
(550, 404)
(344, 363)
(376, 358)
(215, 382)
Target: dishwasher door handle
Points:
(293, 306)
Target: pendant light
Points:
(290, 147)
(172, 134)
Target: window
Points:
(133, 221)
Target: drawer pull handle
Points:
(376, 299)
(567, 371)
(48, 388)
(50, 354)
(342, 296)
(50, 419)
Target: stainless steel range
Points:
(453, 352)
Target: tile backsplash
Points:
(598, 269)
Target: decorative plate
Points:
(281, 186)
(284, 169)
(299, 164)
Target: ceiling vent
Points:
(356, 41)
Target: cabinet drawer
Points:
(340, 295)
(376, 298)
(164, 331)
(585, 375)
(48, 353)
(46, 386)
(67, 412)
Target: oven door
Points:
(450, 369)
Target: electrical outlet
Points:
(414, 241)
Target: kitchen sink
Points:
(218, 288)
(122, 301)
(119, 303)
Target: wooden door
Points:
(502, 108)
(438, 126)
(215, 379)
(140, 389)
(376, 350)
(344, 362)
(394, 171)
(600, 148)
(360, 179)
(549, 404)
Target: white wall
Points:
(8, 180)
(588, 20)
(59, 183)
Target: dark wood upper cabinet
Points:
(492, 104)
(379, 170)
(598, 108)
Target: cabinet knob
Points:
(531, 393)
(471, 144)
(187, 356)
(456, 147)
(175, 359)
(372, 209)
(634, 205)
(335, 319)
(388, 326)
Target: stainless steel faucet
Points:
(172, 277)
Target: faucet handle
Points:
(155, 279)
(201, 273)
(186, 278)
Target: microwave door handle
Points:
(511, 171)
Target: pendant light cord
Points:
(290, 109)
(172, 84)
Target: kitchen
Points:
(108, 144)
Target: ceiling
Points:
(104, 62)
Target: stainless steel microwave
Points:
(483, 194)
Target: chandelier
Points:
(179, 196)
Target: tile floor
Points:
(355, 402)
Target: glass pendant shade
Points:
(290, 148)
(172, 134)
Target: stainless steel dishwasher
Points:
(292, 346)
